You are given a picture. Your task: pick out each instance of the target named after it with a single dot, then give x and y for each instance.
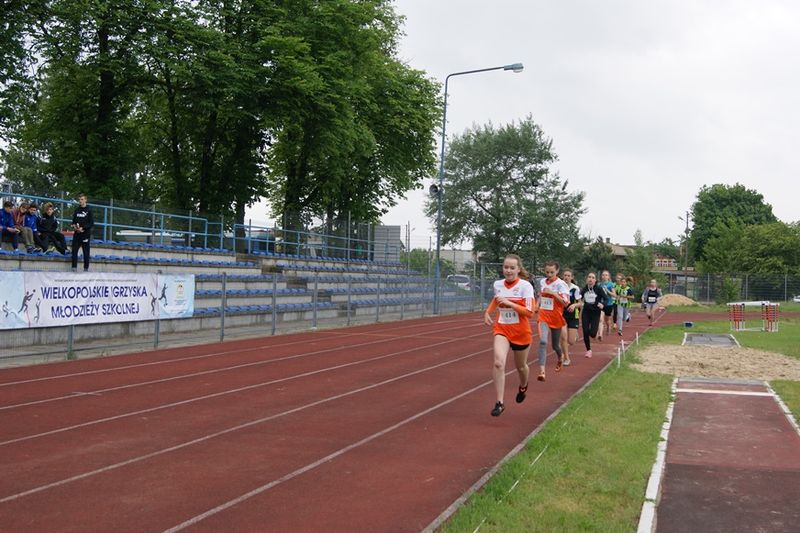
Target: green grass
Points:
(786, 307)
(598, 452)
(597, 457)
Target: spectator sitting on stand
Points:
(8, 228)
(19, 222)
(32, 222)
(52, 239)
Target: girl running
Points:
(513, 299)
(609, 288)
(650, 298)
(624, 298)
(592, 304)
(553, 298)
(572, 315)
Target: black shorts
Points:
(608, 309)
(519, 347)
(573, 322)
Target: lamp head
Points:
(514, 67)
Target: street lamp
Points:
(438, 190)
(685, 255)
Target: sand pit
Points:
(676, 299)
(712, 362)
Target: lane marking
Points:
(213, 371)
(214, 354)
(647, 518)
(263, 488)
(221, 393)
(245, 425)
(725, 392)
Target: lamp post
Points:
(685, 255)
(438, 190)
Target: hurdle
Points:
(769, 316)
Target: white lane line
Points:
(725, 392)
(238, 427)
(323, 460)
(647, 518)
(214, 354)
(785, 408)
(215, 371)
(227, 392)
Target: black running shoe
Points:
(498, 409)
(521, 394)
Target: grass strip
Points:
(588, 467)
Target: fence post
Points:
(746, 282)
(189, 240)
(222, 232)
(157, 329)
(378, 303)
(349, 294)
(786, 287)
(315, 300)
(348, 236)
(249, 235)
(70, 342)
(105, 222)
(403, 297)
(111, 221)
(274, 303)
(223, 306)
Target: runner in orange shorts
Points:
(513, 302)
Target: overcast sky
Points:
(649, 99)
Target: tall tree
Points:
(596, 257)
(500, 193)
(763, 248)
(726, 204)
(358, 132)
(639, 261)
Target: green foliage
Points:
(721, 205)
(729, 291)
(763, 248)
(499, 192)
(639, 262)
(210, 105)
(596, 257)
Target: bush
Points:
(729, 291)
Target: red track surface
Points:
(732, 464)
(371, 428)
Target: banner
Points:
(44, 299)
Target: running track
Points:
(369, 428)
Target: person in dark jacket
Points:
(32, 222)
(52, 238)
(593, 299)
(82, 223)
(8, 228)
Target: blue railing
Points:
(121, 224)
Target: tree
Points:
(639, 262)
(210, 105)
(358, 132)
(761, 249)
(728, 205)
(499, 193)
(596, 257)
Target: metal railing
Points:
(124, 223)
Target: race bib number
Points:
(547, 304)
(508, 316)
(590, 297)
(651, 299)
